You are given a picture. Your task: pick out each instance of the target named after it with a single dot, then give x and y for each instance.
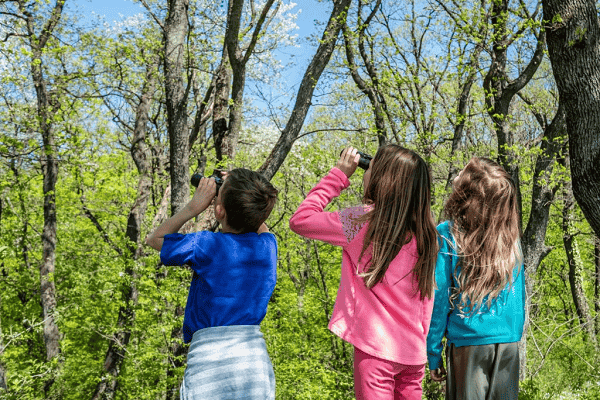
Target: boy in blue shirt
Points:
(234, 278)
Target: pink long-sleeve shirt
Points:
(388, 321)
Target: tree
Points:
(368, 87)
(575, 263)
(597, 283)
(226, 142)
(500, 90)
(176, 89)
(142, 156)
(305, 91)
(2, 371)
(37, 39)
(573, 34)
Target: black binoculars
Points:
(363, 161)
(216, 176)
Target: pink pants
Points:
(378, 379)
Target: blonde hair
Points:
(486, 228)
(400, 191)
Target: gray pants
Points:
(485, 372)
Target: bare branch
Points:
(520, 82)
(158, 21)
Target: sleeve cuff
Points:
(339, 174)
(434, 362)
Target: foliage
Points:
(108, 68)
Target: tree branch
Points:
(158, 21)
(520, 82)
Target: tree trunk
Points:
(307, 87)
(542, 194)
(177, 351)
(238, 61)
(597, 284)
(49, 164)
(371, 90)
(500, 91)
(175, 34)
(115, 355)
(2, 371)
(176, 29)
(533, 240)
(574, 48)
(220, 125)
(576, 266)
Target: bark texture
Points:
(220, 125)
(49, 164)
(176, 90)
(597, 284)
(573, 34)
(576, 266)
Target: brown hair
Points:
(248, 198)
(400, 191)
(483, 207)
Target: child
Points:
(384, 302)
(234, 277)
(480, 297)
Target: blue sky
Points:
(313, 14)
(311, 10)
(310, 21)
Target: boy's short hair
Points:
(248, 198)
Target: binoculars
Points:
(363, 161)
(216, 176)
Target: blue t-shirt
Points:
(502, 322)
(234, 277)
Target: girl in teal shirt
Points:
(480, 297)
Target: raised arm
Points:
(202, 198)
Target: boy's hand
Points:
(438, 375)
(348, 161)
(204, 195)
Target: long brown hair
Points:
(400, 191)
(483, 207)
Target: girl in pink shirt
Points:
(384, 302)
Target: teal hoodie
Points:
(502, 322)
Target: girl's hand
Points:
(438, 375)
(348, 161)
(204, 195)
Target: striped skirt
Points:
(226, 363)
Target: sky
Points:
(118, 9)
(311, 20)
